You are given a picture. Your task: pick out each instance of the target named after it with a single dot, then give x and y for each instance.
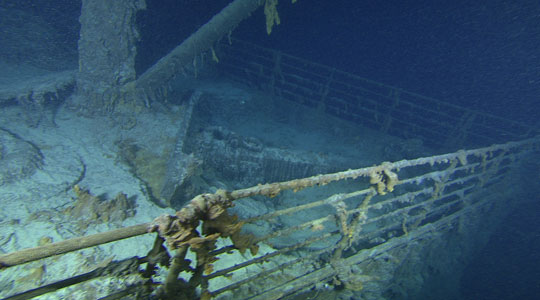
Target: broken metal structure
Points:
(356, 229)
(364, 226)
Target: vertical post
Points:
(107, 52)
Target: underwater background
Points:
(482, 55)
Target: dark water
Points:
(482, 54)
(508, 267)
